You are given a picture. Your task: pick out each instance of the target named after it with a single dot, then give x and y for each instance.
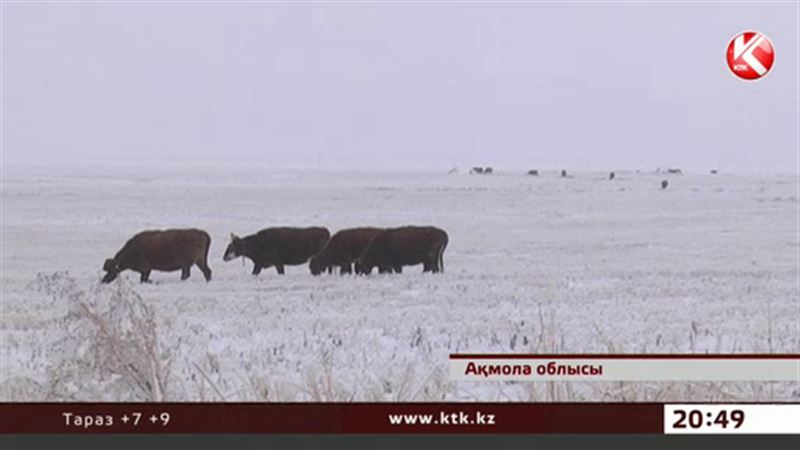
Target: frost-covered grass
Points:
(533, 265)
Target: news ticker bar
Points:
(398, 418)
(516, 367)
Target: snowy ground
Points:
(534, 265)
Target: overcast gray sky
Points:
(518, 85)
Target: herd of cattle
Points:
(359, 249)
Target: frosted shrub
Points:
(110, 344)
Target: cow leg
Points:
(330, 270)
(279, 268)
(432, 264)
(345, 269)
(256, 269)
(185, 272)
(205, 269)
(398, 269)
(144, 276)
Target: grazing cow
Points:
(533, 172)
(342, 249)
(675, 171)
(279, 247)
(487, 170)
(664, 184)
(166, 250)
(394, 248)
(476, 169)
(713, 171)
(611, 176)
(563, 174)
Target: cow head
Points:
(235, 248)
(111, 266)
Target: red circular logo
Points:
(750, 55)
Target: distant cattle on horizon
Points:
(481, 170)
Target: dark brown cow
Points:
(166, 250)
(281, 246)
(394, 248)
(343, 249)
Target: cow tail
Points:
(208, 247)
(441, 254)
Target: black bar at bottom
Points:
(391, 441)
(331, 418)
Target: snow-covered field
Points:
(542, 264)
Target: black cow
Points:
(279, 247)
(394, 248)
(342, 250)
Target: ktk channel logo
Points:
(750, 55)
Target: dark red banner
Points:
(348, 418)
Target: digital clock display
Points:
(694, 418)
(780, 418)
